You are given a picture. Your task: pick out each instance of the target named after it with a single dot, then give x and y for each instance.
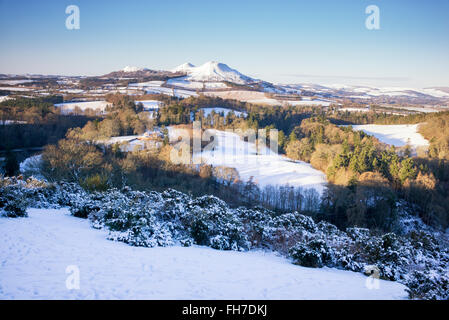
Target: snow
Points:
(74, 91)
(396, 135)
(267, 101)
(354, 109)
(266, 168)
(423, 109)
(182, 93)
(127, 143)
(15, 82)
(225, 111)
(31, 166)
(154, 83)
(366, 92)
(121, 139)
(214, 72)
(435, 93)
(132, 69)
(4, 98)
(150, 104)
(195, 85)
(155, 87)
(316, 102)
(15, 89)
(35, 253)
(94, 105)
(10, 122)
(185, 67)
(131, 143)
(215, 85)
(182, 82)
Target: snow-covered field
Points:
(15, 82)
(155, 87)
(182, 82)
(266, 168)
(127, 143)
(316, 102)
(15, 89)
(154, 83)
(256, 97)
(391, 91)
(195, 85)
(396, 135)
(265, 101)
(225, 111)
(150, 104)
(354, 109)
(4, 98)
(39, 255)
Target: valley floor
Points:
(35, 252)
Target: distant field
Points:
(396, 135)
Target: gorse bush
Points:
(13, 202)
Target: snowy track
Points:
(35, 252)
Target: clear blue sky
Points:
(320, 41)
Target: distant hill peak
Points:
(133, 69)
(185, 67)
(213, 71)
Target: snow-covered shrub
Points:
(221, 242)
(428, 285)
(186, 242)
(315, 253)
(254, 223)
(210, 217)
(423, 240)
(32, 167)
(171, 206)
(69, 193)
(130, 216)
(146, 234)
(358, 233)
(328, 229)
(305, 256)
(286, 230)
(83, 207)
(13, 202)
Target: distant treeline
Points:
(34, 122)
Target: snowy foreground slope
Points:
(35, 252)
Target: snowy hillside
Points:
(266, 168)
(38, 255)
(213, 71)
(368, 92)
(396, 135)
